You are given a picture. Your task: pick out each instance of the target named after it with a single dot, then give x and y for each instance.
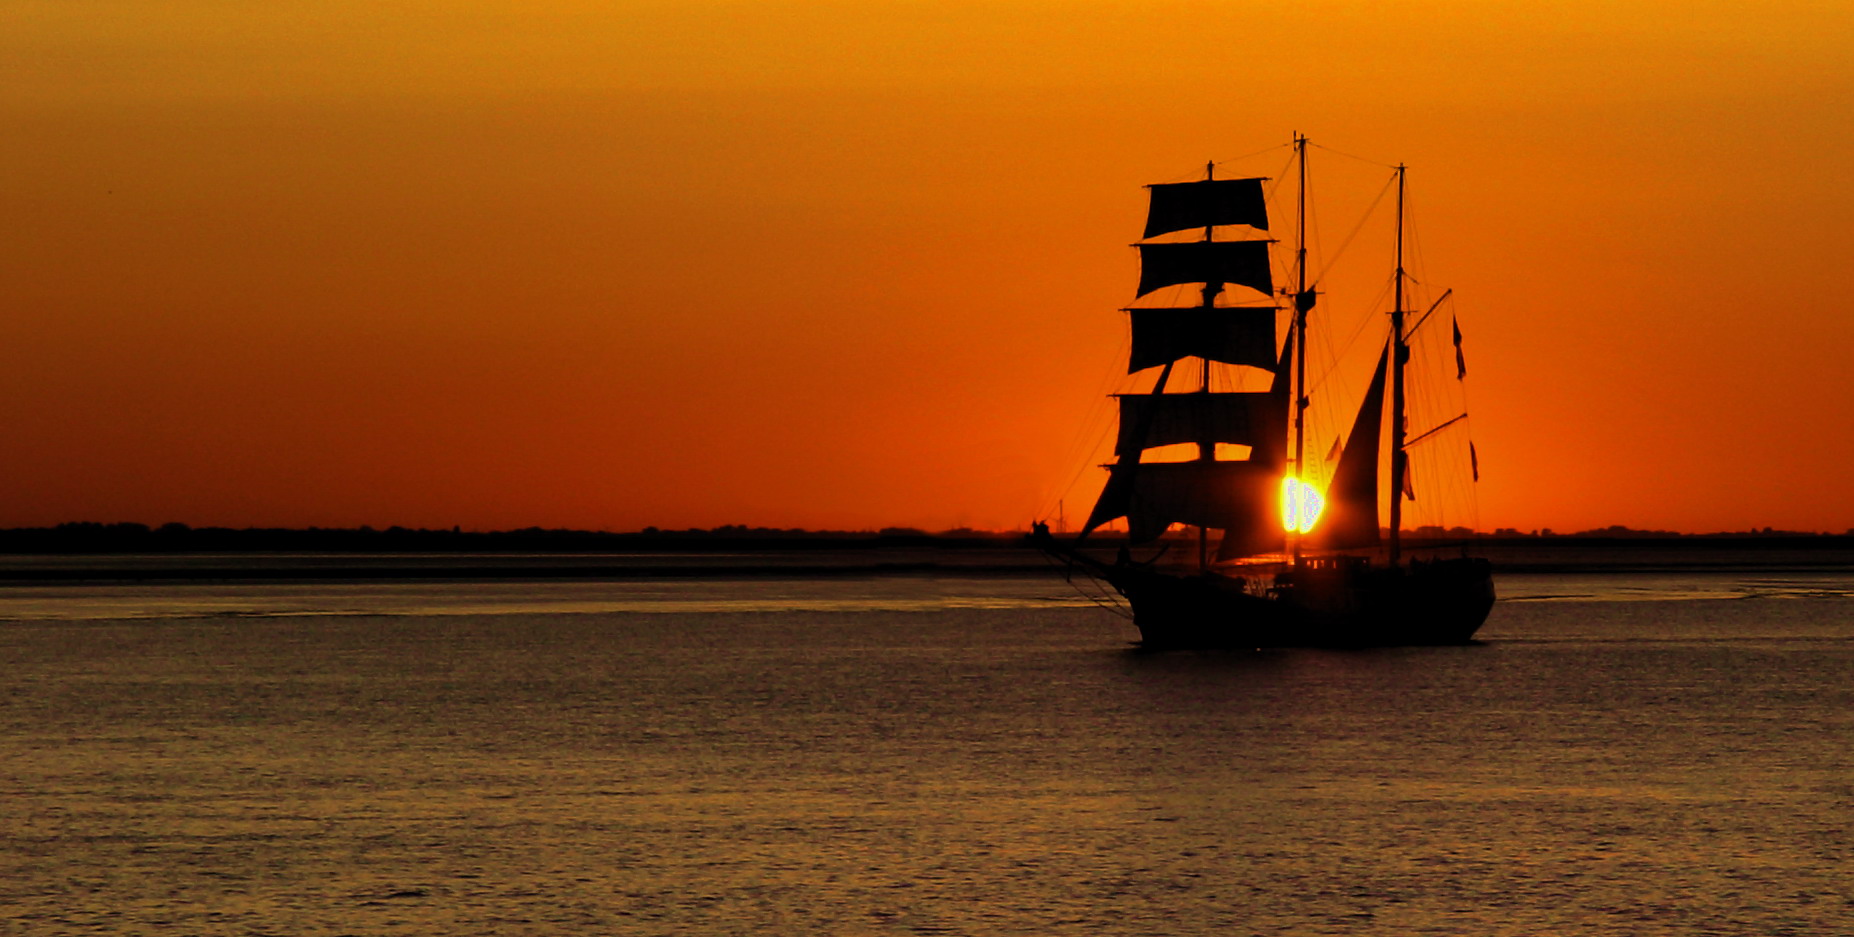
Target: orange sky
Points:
(850, 264)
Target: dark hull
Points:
(1323, 604)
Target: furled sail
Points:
(1244, 263)
(1181, 205)
(1232, 334)
(1350, 519)
(1148, 420)
(1155, 495)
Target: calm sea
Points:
(1624, 754)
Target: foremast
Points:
(1238, 497)
(1206, 447)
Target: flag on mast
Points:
(1461, 364)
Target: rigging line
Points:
(1280, 175)
(1093, 587)
(1350, 156)
(1329, 420)
(1433, 430)
(1312, 245)
(1369, 211)
(1087, 439)
(1074, 479)
(1314, 240)
(1093, 427)
(1254, 154)
(1414, 234)
(1101, 418)
(1349, 339)
(1425, 317)
(1068, 576)
(1441, 472)
(1337, 414)
(1279, 258)
(1197, 174)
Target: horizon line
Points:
(177, 528)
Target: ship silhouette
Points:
(1293, 566)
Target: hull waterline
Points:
(1439, 602)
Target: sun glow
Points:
(1301, 505)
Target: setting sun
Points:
(1301, 505)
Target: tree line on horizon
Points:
(91, 536)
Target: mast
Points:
(1400, 353)
(1238, 495)
(1300, 328)
(1206, 449)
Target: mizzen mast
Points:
(1400, 354)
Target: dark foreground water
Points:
(1624, 755)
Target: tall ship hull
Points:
(1334, 601)
(1436, 602)
(1304, 556)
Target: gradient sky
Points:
(856, 264)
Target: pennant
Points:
(1409, 488)
(1461, 364)
(1474, 462)
(1333, 453)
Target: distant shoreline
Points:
(127, 538)
(99, 553)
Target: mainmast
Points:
(1301, 305)
(1400, 353)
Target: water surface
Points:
(1623, 754)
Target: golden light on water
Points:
(1301, 505)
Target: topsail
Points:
(1180, 206)
(1244, 263)
(1229, 334)
(1148, 420)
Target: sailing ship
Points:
(1295, 566)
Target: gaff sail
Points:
(1350, 519)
